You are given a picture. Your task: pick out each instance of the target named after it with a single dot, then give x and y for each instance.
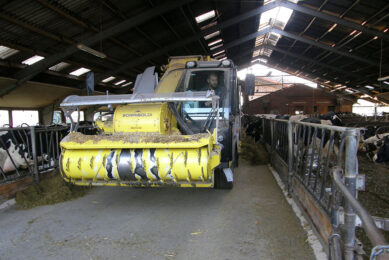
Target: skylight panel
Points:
(214, 42)
(79, 72)
(60, 66)
(33, 59)
(280, 14)
(108, 79)
(203, 17)
(6, 52)
(211, 35)
(120, 82)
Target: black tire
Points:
(221, 180)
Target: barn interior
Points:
(317, 59)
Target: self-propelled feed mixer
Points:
(181, 131)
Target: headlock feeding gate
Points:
(319, 164)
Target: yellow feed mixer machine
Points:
(181, 131)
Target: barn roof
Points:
(340, 44)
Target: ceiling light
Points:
(128, 83)
(6, 52)
(79, 72)
(217, 53)
(211, 35)
(209, 25)
(33, 60)
(89, 50)
(120, 82)
(383, 78)
(214, 42)
(108, 79)
(60, 66)
(203, 17)
(216, 46)
(369, 87)
(332, 27)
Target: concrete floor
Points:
(252, 221)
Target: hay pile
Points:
(255, 153)
(49, 191)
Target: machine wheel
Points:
(221, 180)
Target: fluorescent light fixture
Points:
(224, 58)
(211, 35)
(349, 91)
(79, 72)
(33, 60)
(217, 53)
(209, 25)
(120, 82)
(6, 52)
(108, 79)
(205, 16)
(60, 66)
(332, 27)
(386, 82)
(214, 42)
(369, 87)
(128, 83)
(216, 46)
(359, 33)
(383, 78)
(89, 50)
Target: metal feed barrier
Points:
(319, 165)
(28, 151)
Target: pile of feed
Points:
(253, 152)
(48, 191)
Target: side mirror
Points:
(249, 84)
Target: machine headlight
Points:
(191, 64)
(220, 138)
(226, 63)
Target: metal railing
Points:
(307, 152)
(30, 150)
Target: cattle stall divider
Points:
(31, 150)
(319, 165)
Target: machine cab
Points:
(216, 76)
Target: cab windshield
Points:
(199, 115)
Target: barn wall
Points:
(298, 97)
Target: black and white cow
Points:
(13, 151)
(383, 152)
(375, 147)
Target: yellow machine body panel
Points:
(146, 118)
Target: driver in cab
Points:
(213, 84)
